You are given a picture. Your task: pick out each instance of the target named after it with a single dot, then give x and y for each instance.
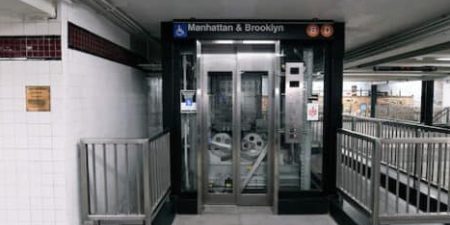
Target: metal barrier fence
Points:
(124, 179)
(391, 128)
(403, 180)
(442, 116)
(355, 159)
(317, 132)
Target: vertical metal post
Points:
(378, 131)
(84, 183)
(305, 148)
(353, 126)
(447, 121)
(201, 96)
(146, 180)
(276, 125)
(376, 158)
(373, 100)
(105, 178)
(426, 104)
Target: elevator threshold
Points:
(235, 209)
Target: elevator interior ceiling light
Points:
(443, 59)
(251, 54)
(223, 42)
(256, 42)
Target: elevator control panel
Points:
(294, 91)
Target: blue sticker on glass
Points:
(180, 30)
(363, 107)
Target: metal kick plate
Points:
(294, 101)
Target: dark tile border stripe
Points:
(86, 41)
(45, 47)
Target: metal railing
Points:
(442, 117)
(317, 132)
(124, 179)
(384, 128)
(399, 112)
(402, 180)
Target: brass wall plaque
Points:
(38, 98)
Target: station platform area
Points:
(219, 112)
(233, 215)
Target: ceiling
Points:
(440, 59)
(13, 10)
(366, 20)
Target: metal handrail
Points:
(406, 123)
(415, 176)
(445, 112)
(124, 179)
(392, 128)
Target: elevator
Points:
(252, 113)
(237, 120)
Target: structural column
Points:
(373, 100)
(426, 104)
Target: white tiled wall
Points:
(31, 149)
(91, 97)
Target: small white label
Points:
(312, 112)
(188, 106)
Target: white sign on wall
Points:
(312, 111)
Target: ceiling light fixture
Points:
(258, 42)
(443, 59)
(223, 42)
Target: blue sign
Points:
(180, 30)
(363, 107)
(188, 102)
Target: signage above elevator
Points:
(193, 30)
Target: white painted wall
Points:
(365, 86)
(404, 88)
(103, 98)
(91, 97)
(446, 94)
(442, 92)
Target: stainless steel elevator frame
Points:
(236, 66)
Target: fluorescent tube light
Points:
(223, 42)
(258, 42)
(443, 59)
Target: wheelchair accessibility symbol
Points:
(180, 30)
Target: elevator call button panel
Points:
(294, 91)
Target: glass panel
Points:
(220, 94)
(254, 132)
(300, 155)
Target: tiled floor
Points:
(231, 215)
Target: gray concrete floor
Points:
(232, 215)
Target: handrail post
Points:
(146, 180)
(448, 116)
(84, 183)
(353, 126)
(376, 158)
(379, 130)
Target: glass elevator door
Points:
(236, 121)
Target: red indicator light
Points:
(327, 30)
(312, 30)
